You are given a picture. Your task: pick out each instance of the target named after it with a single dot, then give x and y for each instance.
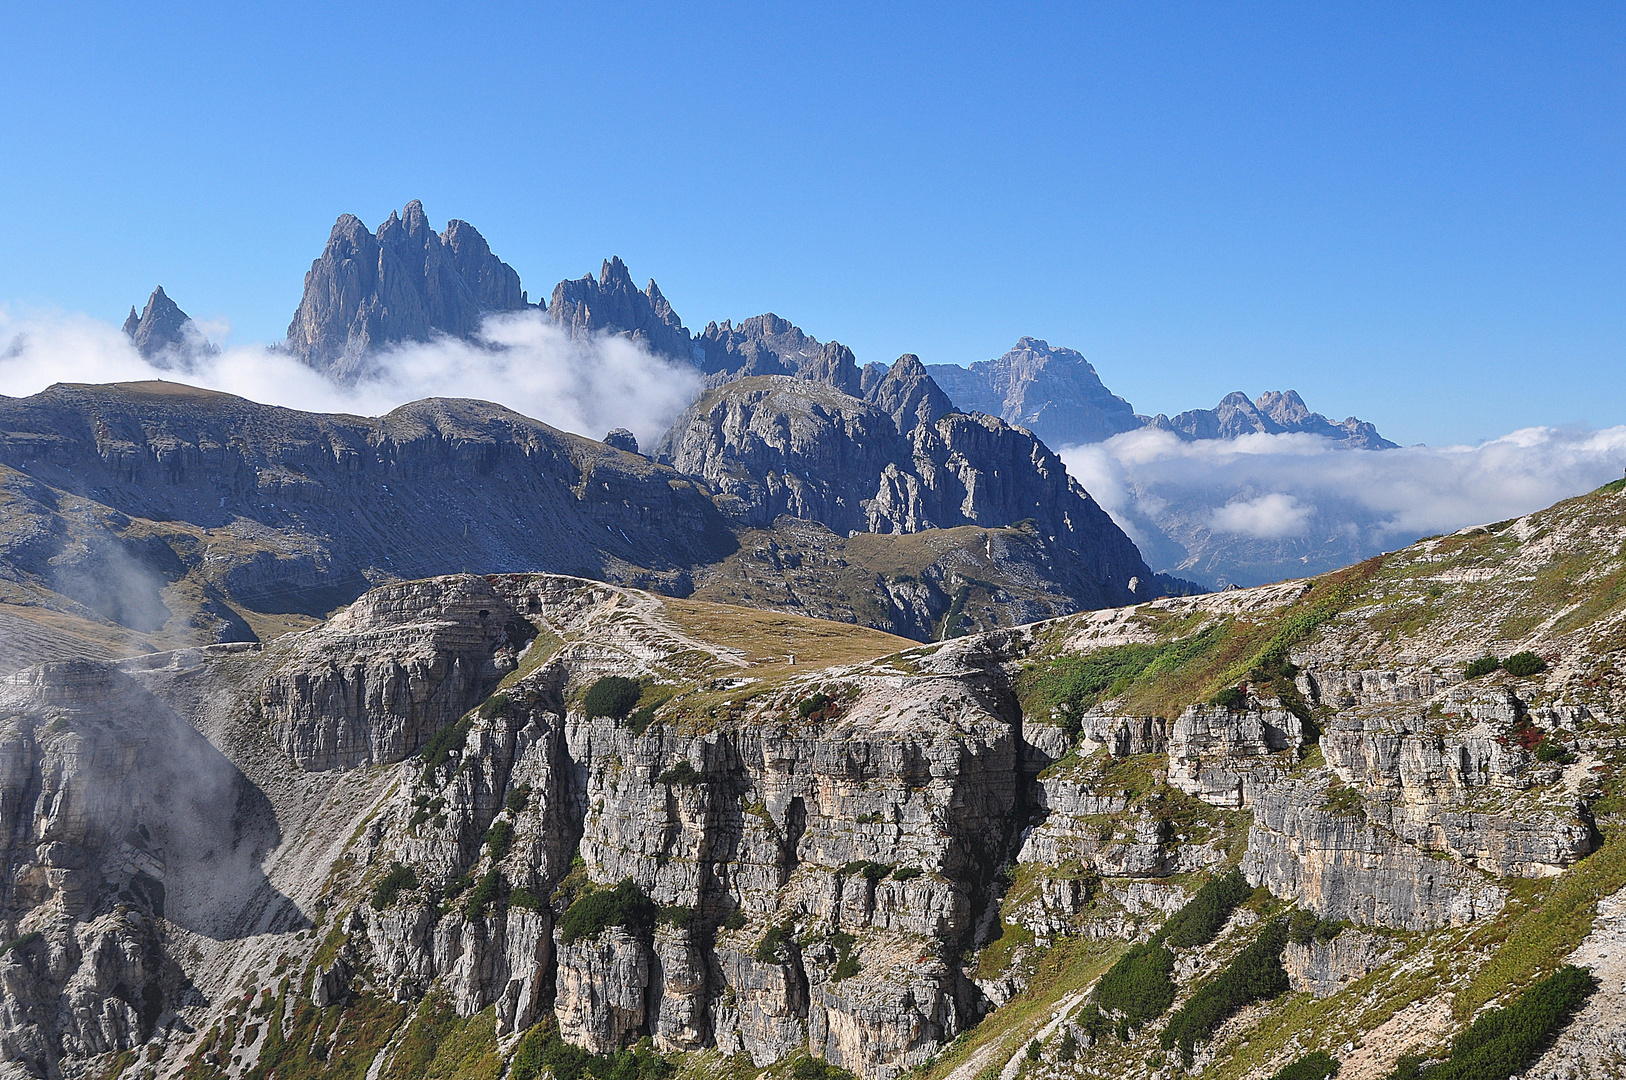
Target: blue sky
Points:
(1413, 213)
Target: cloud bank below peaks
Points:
(1264, 507)
(519, 360)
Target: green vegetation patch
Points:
(1505, 1042)
(682, 774)
(1483, 666)
(542, 1050)
(1204, 914)
(613, 696)
(1318, 1065)
(1141, 984)
(1256, 974)
(1072, 685)
(1522, 665)
(446, 741)
(594, 912)
(389, 887)
(500, 839)
(439, 1045)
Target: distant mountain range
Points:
(406, 283)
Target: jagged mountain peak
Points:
(1053, 392)
(164, 334)
(403, 283)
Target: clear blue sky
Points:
(1414, 213)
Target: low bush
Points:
(1318, 1065)
(543, 1051)
(639, 720)
(22, 942)
(815, 704)
(1231, 698)
(768, 948)
(594, 912)
(1505, 1042)
(1204, 914)
(494, 706)
(675, 915)
(524, 899)
(396, 878)
(682, 774)
(1255, 975)
(518, 799)
(812, 1068)
(1522, 665)
(457, 886)
(1483, 666)
(446, 741)
(1303, 927)
(613, 696)
(734, 920)
(500, 839)
(1551, 750)
(1141, 984)
(1034, 1050)
(906, 873)
(489, 890)
(846, 963)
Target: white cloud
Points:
(1280, 486)
(1268, 517)
(521, 361)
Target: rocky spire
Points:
(769, 345)
(403, 284)
(910, 395)
(164, 334)
(613, 305)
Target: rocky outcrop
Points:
(769, 345)
(774, 446)
(165, 335)
(1053, 392)
(613, 305)
(909, 396)
(1323, 968)
(370, 685)
(1275, 413)
(403, 284)
(1223, 755)
(1330, 860)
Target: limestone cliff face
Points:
(373, 683)
(773, 446)
(612, 304)
(405, 283)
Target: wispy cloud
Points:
(521, 361)
(1302, 492)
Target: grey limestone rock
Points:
(1051, 391)
(406, 283)
(166, 335)
(769, 345)
(1326, 967)
(611, 304)
(1275, 413)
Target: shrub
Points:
(1522, 665)
(1255, 975)
(1505, 1042)
(542, 1050)
(518, 799)
(683, 774)
(906, 873)
(1072, 685)
(1204, 914)
(1034, 1050)
(446, 741)
(1483, 666)
(458, 886)
(490, 889)
(524, 899)
(845, 968)
(1553, 750)
(1304, 927)
(1231, 698)
(675, 915)
(640, 719)
(815, 704)
(813, 1068)
(22, 942)
(593, 913)
(1141, 984)
(395, 879)
(1067, 1049)
(774, 940)
(1317, 1065)
(500, 839)
(734, 920)
(846, 963)
(612, 696)
(494, 706)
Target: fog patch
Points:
(518, 359)
(1262, 507)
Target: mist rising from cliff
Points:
(519, 360)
